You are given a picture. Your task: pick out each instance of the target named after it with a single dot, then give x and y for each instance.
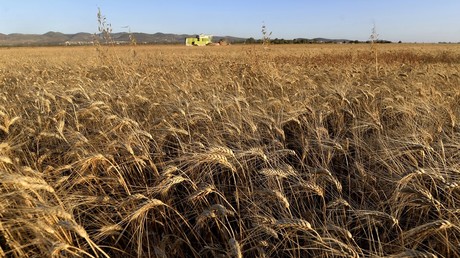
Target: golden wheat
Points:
(300, 151)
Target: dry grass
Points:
(293, 151)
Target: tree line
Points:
(309, 41)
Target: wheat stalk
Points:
(74, 227)
(235, 248)
(294, 224)
(417, 234)
(145, 207)
(26, 182)
(202, 192)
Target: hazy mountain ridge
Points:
(84, 38)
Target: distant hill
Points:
(83, 38)
(330, 40)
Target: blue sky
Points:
(406, 20)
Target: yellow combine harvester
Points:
(200, 40)
(204, 40)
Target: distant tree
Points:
(300, 41)
(250, 41)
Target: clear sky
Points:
(406, 20)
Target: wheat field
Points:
(238, 151)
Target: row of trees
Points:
(309, 41)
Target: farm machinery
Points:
(203, 40)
